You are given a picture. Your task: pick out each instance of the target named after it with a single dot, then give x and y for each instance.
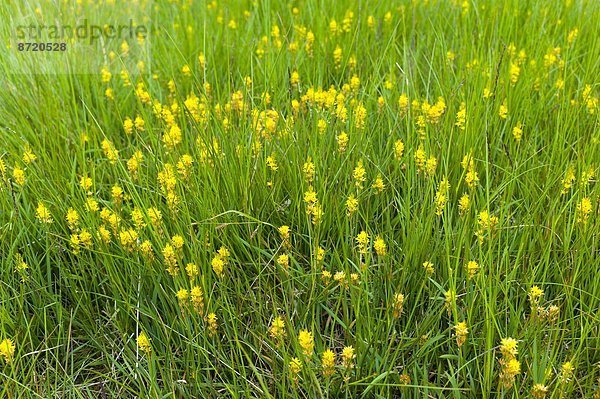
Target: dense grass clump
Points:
(306, 199)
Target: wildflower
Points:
(117, 193)
(472, 268)
(568, 180)
(514, 71)
(378, 184)
(428, 267)
(503, 111)
(348, 356)
(295, 78)
(72, 218)
(43, 214)
(398, 149)
(197, 299)
(342, 141)
(28, 156)
(380, 246)
(486, 224)
(128, 126)
(139, 123)
(461, 331)
(539, 391)
(86, 183)
(461, 117)
(449, 299)
(211, 321)
(111, 153)
(328, 363)
(337, 57)
(146, 250)
(277, 329)
(362, 241)
(359, 175)
(566, 372)
(518, 131)
(430, 166)
(183, 296)
(19, 176)
(272, 163)
(306, 341)
(584, 210)
(535, 293)
(284, 232)
(283, 261)
(325, 276)
(398, 305)
(509, 347)
(7, 350)
(351, 205)
(143, 343)
(191, 270)
(170, 259)
(104, 234)
(295, 368)
(309, 171)
(511, 367)
(441, 196)
(218, 266)
(405, 379)
(463, 204)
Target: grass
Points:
(74, 304)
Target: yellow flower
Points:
(277, 329)
(509, 347)
(128, 126)
(380, 246)
(7, 350)
(359, 175)
(503, 111)
(463, 204)
(328, 362)
(362, 241)
(566, 372)
(28, 156)
(283, 261)
(584, 210)
(197, 299)
(19, 175)
(351, 205)
(182, 296)
(348, 356)
(295, 368)
(43, 214)
(111, 153)
(378, 184)
(398, 149)
(272, 163)
(535, 293)
(143, 343)
(539, 391)
(397, 305)
(309, 171)
(306, 341)
(218, 266)
(472, 268)
(72, 218)
(428, 266)
(342, 141)
(211, 321)
(461, 331)
(518, 131)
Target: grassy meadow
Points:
(305, 199)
